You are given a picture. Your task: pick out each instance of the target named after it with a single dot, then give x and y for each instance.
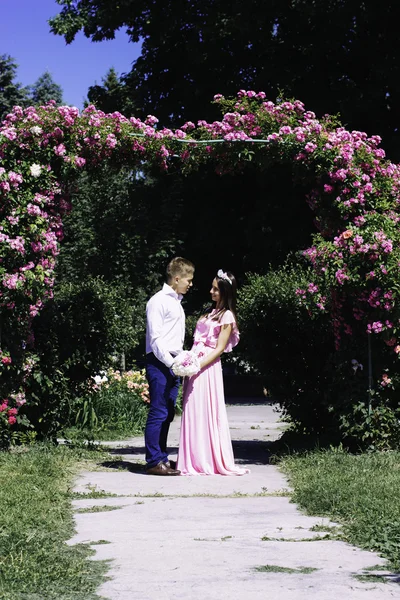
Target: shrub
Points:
(283, 345)
(115, 404)
(322, 390)
(76, 335)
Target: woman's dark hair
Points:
(227, 291)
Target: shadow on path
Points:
(251, 452)
(124, 465)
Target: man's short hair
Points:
(179, 266)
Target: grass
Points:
(109, 434)
(371, 578)
(100, 542)
(238, 495)
(36, 519)
(374, 568)
(359, 491)
(277, 569)
(328, 528)
(317, 538)
(93, 493)
(97, 509)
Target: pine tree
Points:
(112, 96)
(45, 89)
(11, 93)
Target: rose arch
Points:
(353, 192)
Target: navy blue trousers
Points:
(163, 388)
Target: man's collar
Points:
(167, 289)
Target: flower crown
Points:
(222, 275)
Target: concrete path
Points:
(217, 538)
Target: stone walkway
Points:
(217, 538)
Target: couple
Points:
(205, 446)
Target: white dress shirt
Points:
(165, 331)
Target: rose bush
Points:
(354, 193)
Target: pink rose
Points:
(60, 150)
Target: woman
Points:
(205, 446)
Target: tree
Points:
(11, 93)
(45, 89)
(337, 57)
(112, 96)
(120, 229)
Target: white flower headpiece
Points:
(222, 275)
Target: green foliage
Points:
(321, 390)
(112, 96)
(281, 343)
(121, 228)
(45, 89)
(373, 422)
(359, 491)
(76, 335)
(116, 406)
(257, 216)
(11, 93)
(194, 49)
(36, 521)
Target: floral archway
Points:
(353, 192)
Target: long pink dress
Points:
(205, 446)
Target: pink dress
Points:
(205, 446)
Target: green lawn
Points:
(362, 492)
(35, 522)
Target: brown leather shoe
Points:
(171, 464)
(162, 469)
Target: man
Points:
(165, 334)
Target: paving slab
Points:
(214, 537)
(128, 482)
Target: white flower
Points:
(100, 379)
(186, 364)
(35, 170)
(36, 130)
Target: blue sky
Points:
(25, 35)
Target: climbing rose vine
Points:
(353, 192)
